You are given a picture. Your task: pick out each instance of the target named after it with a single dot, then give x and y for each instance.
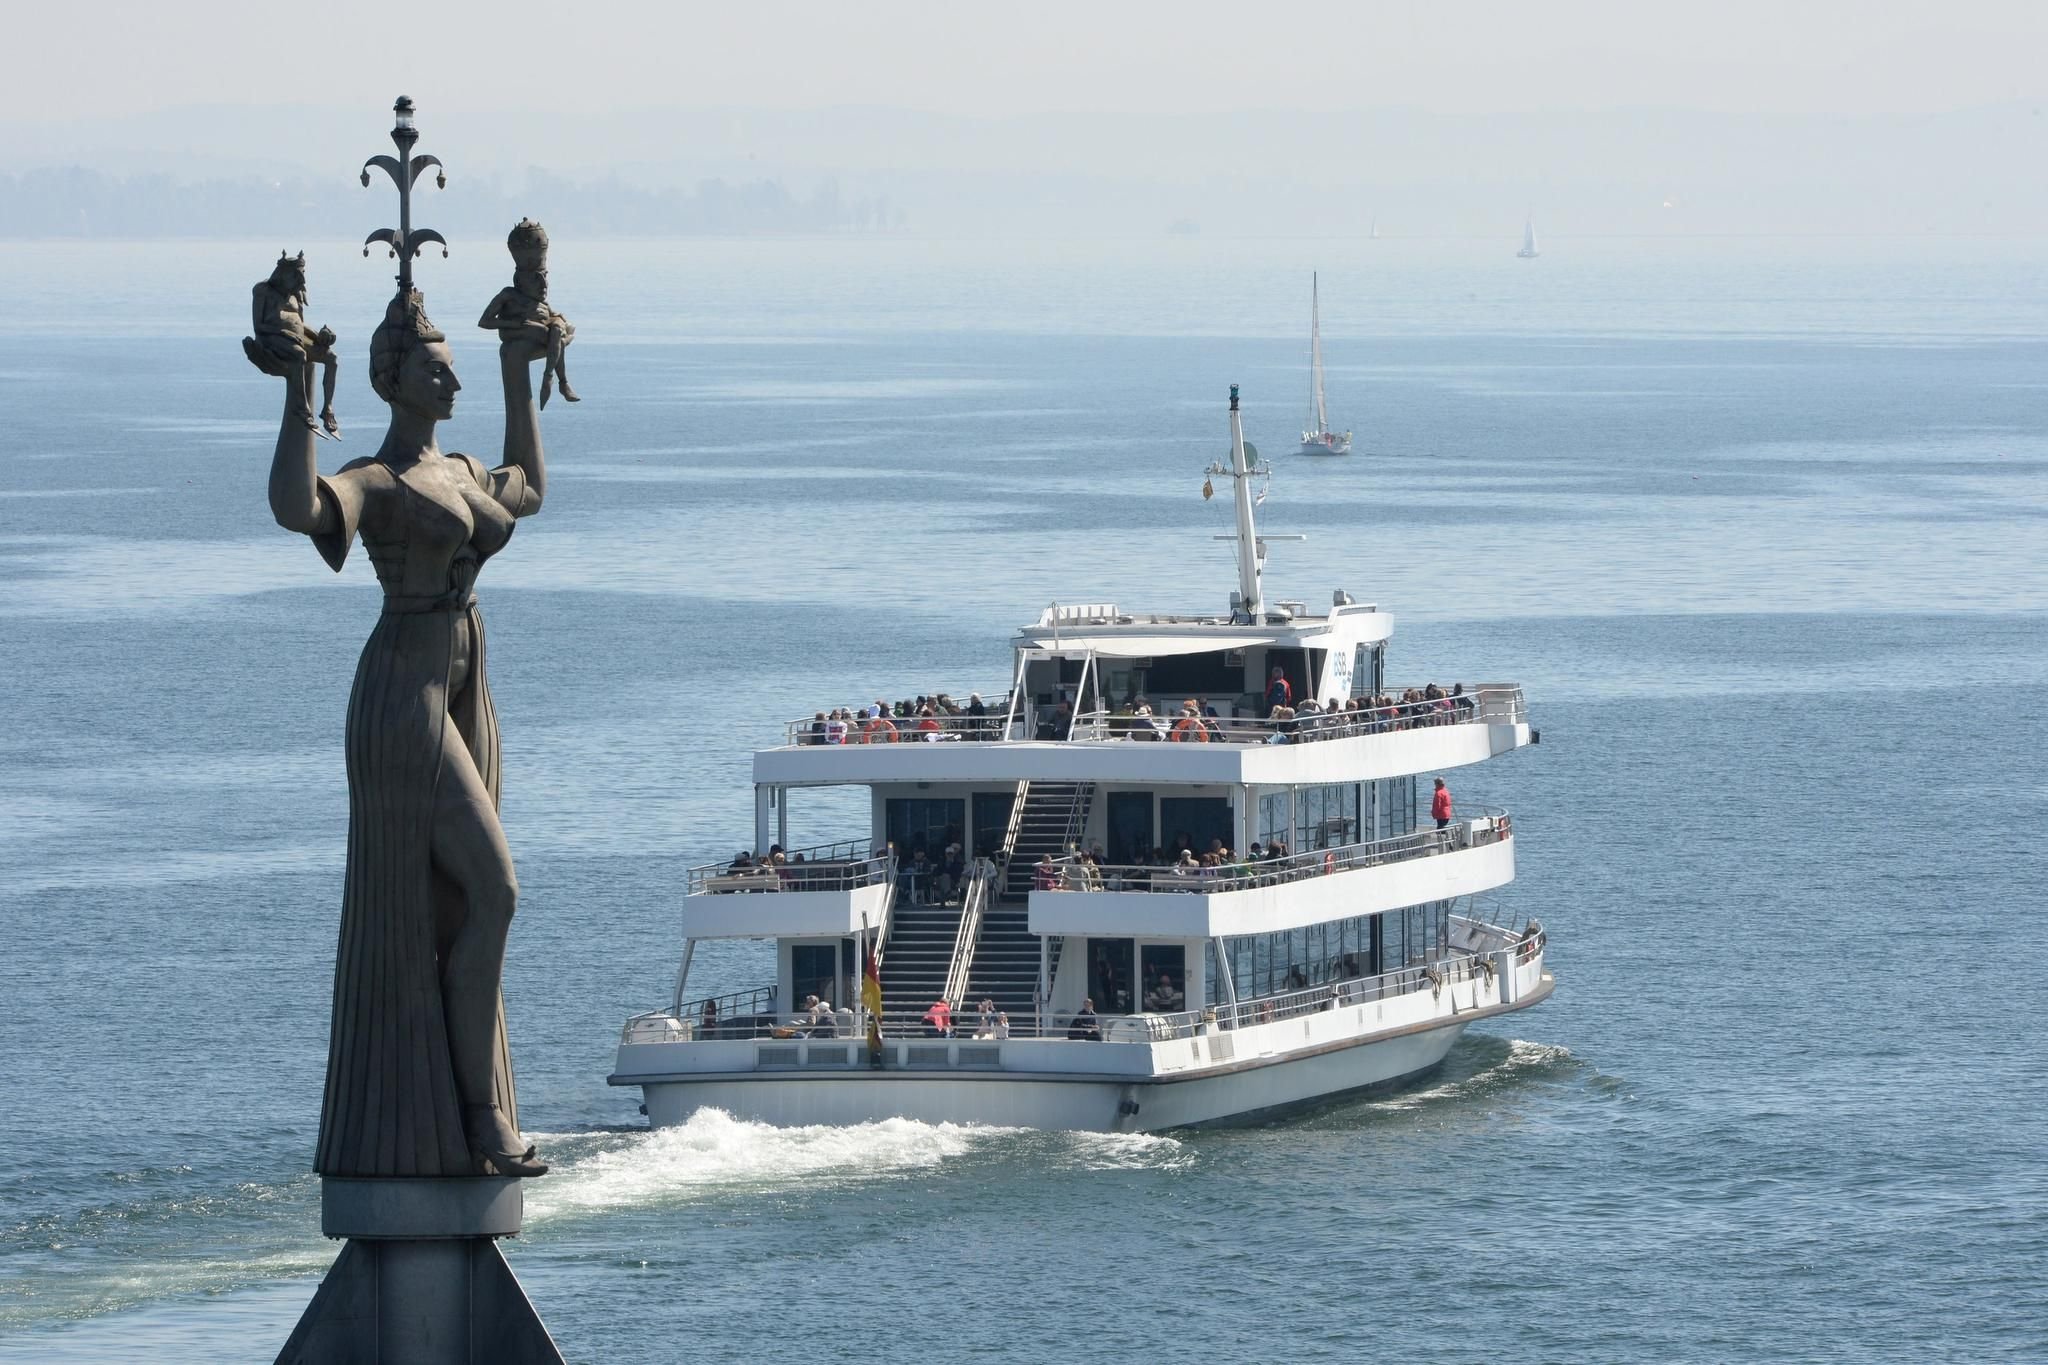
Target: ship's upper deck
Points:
(1100, 695)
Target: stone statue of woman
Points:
(419, 1078)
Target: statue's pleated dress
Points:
(391, 1106)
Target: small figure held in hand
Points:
(520, 312)
(284, 344)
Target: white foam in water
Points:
(715, 1151)
(1522, 1056)
(1127, 1151)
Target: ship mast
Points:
(1251, 551)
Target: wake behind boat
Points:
(1319, 440)
(1046, 922)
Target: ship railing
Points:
(1470, 831)
(810, 731)
(843, 866)
(1165, 1026)
(1481, 919)
(1478, 704)
(736, 1014)
(1435, 976)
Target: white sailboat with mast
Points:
(1319, 439)
(1529, 251)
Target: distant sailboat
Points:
(1321, 440)
(1528, 251)
(1373, 233)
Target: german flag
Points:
(871, 999)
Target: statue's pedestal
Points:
(420, 1280)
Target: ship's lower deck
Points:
(1273, 1054)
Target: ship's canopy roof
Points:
(1103, 630)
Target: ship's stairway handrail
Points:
(973, 902)
(880, 927)
(1046, 818)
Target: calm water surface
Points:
(1760, 528)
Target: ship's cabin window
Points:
(1217, 679)
(1364, 945)
(814, 970)
(1196, 823)
(929, 824)
(1110, 974)
(1165, 978)
(1368, 671)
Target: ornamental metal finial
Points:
(405, 240)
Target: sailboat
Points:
(1319, 440)
(1528, 251)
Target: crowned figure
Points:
(521, 309)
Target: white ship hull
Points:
(1128, 1087)
(1336, 445)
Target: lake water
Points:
(1760, 528)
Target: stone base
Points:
(420, 1280)
(470, 1206)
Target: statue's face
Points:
(292, 281)
(427, 382)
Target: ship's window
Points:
(1365, 670)
(919, 823)
(1109, 974)
(1328, 817)
(1171, 680)
(1396, 803)
(1200, 819)
(991, 822)
(813, 970)
(1130, 826)
(1276, 820)
(1165, 977)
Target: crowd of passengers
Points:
(1194, 721)
(920, 878)
(886, 722)
(1181, 868)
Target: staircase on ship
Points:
(1001, 954)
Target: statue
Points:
(277, 307)
(420, 1155)
(521, 308)
(419, 1079)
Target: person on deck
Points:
(1278, 691)
(1085, 1027)
(1440, 805)
(938, 1020)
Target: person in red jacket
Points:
(1278, 691)
(1440, 805)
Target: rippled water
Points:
(1760, 530)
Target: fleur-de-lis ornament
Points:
(405, 169)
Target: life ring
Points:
(1190, 729)
(1329, 863)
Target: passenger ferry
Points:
(1006, 943)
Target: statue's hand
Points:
(325, 336)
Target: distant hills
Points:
(241, 171)
(75, 202)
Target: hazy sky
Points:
(87, 57)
